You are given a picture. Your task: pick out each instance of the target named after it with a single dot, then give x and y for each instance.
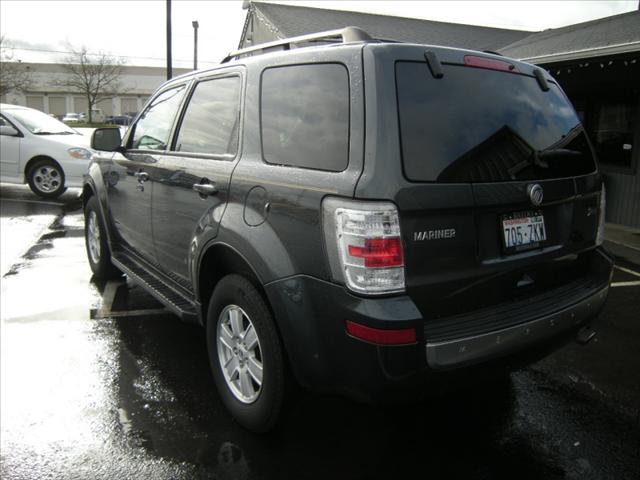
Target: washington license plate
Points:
(523, 230)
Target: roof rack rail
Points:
(348, 34)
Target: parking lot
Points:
(100, 381)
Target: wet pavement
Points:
(100, 381)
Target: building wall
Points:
(46, 93)
(623, 199)
(591, 83)
(258, 30)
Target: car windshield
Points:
(40, 123)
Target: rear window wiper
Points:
(558, 152)
(539, 159)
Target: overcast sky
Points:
(136, 29)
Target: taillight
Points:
(379, 252)
(364, 245)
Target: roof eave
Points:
(585, 53)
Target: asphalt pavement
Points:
(98, 381)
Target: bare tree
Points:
(13, 75)
(96, 76)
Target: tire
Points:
(46, 179)
(254, 396)
(95, 238)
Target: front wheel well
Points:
(87, 193)
(217, 262)
(37, 158)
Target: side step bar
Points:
(151, 281)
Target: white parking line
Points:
(39, 202)
(626, 270)
(626, 284)
(108, 297)
(132, 313)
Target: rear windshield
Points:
(480, 125)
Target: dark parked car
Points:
(372, 218)
(119, 120)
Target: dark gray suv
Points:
(358, 216)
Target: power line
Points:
(97, 55)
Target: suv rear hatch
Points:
(479, 139)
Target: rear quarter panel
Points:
(286, 239)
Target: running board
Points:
(152, 282)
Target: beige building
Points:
(136, 85)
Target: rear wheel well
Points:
(217, 262)
(220, 261)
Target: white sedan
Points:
(71, 118)
(39, 150)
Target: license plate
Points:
(523, 230)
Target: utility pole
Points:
(195, 44)
(169, 69)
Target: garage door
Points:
(106, 105)
(57, 106)
(35, 101)
(80, 105)
(128, 104)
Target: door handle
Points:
(205, 189)
(142, 176)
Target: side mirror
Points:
(8, 130)
(106, 139)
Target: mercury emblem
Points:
(535, 194)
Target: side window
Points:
(6, 123)
(153, 128)
(304, 116)
(212, 118)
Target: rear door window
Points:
(305, 116)
(479, 125)
(212, 117)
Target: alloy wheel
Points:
(93, 237)
(239, 354)
(47, 179)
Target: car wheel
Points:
(46, 179)
(245, 354)
(96, 242)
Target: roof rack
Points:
(348, 34)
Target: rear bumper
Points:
(464, 351)
(311, 315)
